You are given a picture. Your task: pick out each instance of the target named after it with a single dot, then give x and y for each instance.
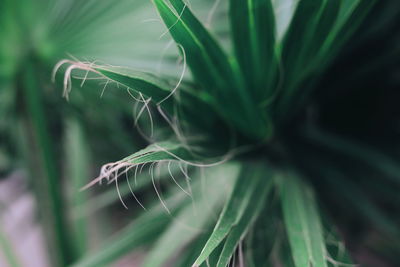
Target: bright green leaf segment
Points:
(253, 210)
(302, 222)
(244, 201)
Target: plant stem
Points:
(77, 162)
(44, 170)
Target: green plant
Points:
(252, 110)
(263, 168)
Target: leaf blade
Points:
(253, 210)
(232, 213)
(302, 223)
(193, 219)
(253, 29)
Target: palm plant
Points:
(255, 141)
(251, 116)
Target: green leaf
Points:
(212, 70)
(253, 210)
(302, 222)
(265, 234)
(44, 168)
(253, 29)
(350, 15)
(108, 197)
(78, 164)
(350, 20)
(157, 152)
(146, 83)
(317, 33)
(296, 42)
(240, 200)
(312, 55)
(301, 31)
(153, 153)
(190, 254)
(206, 59)
(193, 219)
(170, 94)
(322, 35)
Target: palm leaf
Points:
(77, 158)
(240, 200)
(302, 223)
(193, 219)
(253, 29)
(211, 69)
(152, 154)
(238, 232)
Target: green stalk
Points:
(45, 176)
(77, 162)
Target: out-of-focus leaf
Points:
(349, 18)
(356, 198)
(265, 234)
(360, 152)
(78, 164)
(145, 229)
(46, 182)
